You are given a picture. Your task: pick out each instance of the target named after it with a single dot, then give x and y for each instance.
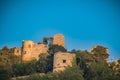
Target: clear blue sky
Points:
(84, 23)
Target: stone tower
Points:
(27, 47)
(62, 60)
(58, 39)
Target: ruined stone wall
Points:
(31, 50)
(27, 47)
(17, 51)
(62, 60)
(58, 39)
(38, 49)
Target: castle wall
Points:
(94, 47)
(27, 47)
(62, 60)
(38, 49)
(17, 51)
(31, 50)
(58, 39)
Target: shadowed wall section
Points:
(62, 60)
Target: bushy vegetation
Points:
(71, 73)
(94, 65)
(86, 66)
(7, 59)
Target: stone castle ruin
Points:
(31, 50)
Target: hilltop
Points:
(52, 58)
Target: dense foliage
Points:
(71, 73)
(7, 59)
(95, 66)
(89, 66)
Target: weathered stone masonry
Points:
(58, 39)
(62, 60)
(31, 50)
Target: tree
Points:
(50, 63)
(92, 69)
(45, 40)
(56, 48)
(41, 64)
(100, 54)
(115, 65)
(71, 73)
(99, 72)
(4, 73)
(5, 60)
(26, 68)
